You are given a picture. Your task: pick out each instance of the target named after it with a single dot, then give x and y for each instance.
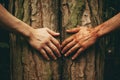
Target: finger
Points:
(52, 32)
(77, 53)
(74, 30)
(68, 46)
(66, 41)
(56, 43)
(49, 51)
(44, 54)
(72, 49)
(54, 49)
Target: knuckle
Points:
(64, 41)
(43, 43)
(79, 43)
(76, 40)
(75, 36)
(57, 43)
(47, 42)
(49, 50)
(39, 48)
(69, 51)
(52, 54)
(54, 48)
(66, 46)
(49, 37)
(83, 46)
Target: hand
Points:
(78, 42)
(42, 39)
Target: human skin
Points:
(42, 39)
(85, 37)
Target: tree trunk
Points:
(58, 15)
(26, 63)
(89, 65)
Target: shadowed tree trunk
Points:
(58, 15)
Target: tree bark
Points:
(90, 64)
(58, 15)
(26, 63)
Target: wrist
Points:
(23, 28)
(11, 23)
(98, 30)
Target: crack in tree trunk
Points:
(57, 15)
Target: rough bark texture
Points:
(26, 63)
(58, 15)
(89, 65)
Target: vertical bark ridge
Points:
(96, 19)
(41, 18)
(17, 68)
(90, 53)
(85, 14)
(31, 65)
(72, 12)
(28, 64)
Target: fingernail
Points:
(73, 58)
(65, 55)
(58, 33)
(55, 58)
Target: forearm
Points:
(13, 24)
(109, 25)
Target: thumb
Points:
(74, 30)
(52, 32)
